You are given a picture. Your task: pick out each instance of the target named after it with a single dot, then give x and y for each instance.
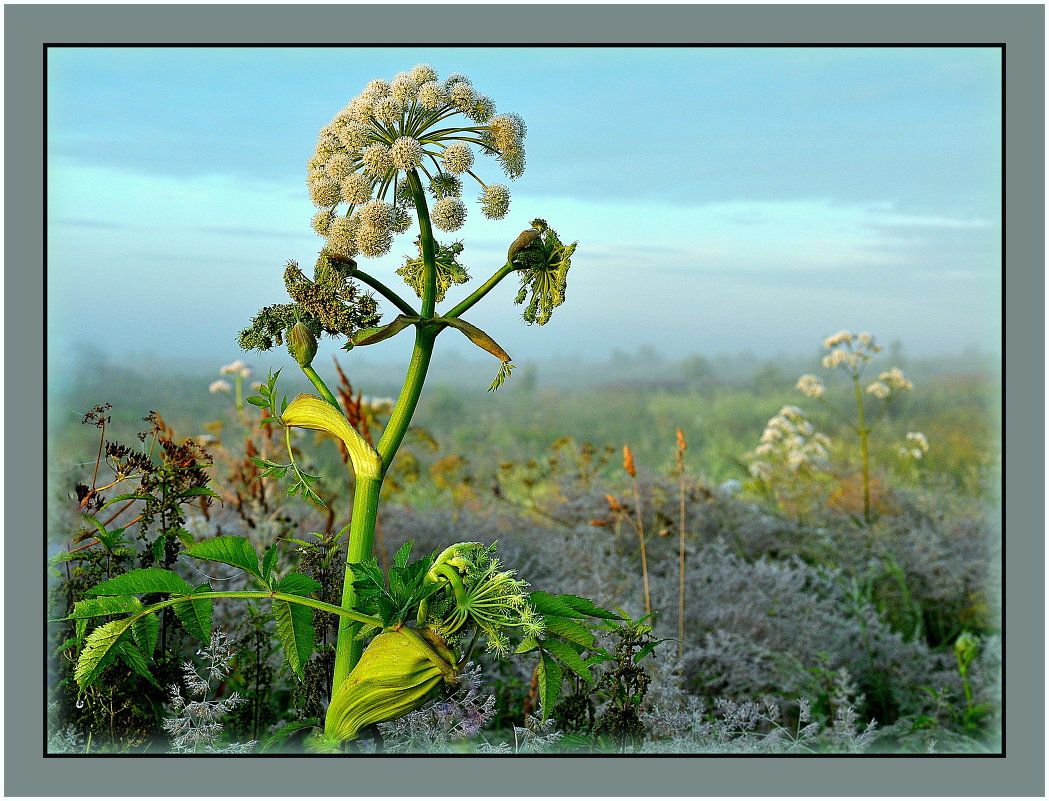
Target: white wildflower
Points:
(811, 386)
(406, 153)
(458, 158)
(839, 338)
(219, 386)
(449, 214)
(880, 389)
(495, 201)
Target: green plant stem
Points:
(322, 388)
(359, 548)
(366, 491)
(681, 561)
(863, 431)
(482, 290)
(644, 554)
(385, 291)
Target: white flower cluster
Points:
(915, 446)
(237, 369)
(402, 127)
(889, 383)
(789, 442)
(811, 386)
(849, 351)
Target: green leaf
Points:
(126, 497)
(549, 605)
(528, 644)
(298, 584)
(268, 561)
(106, 605)
(129, 654)
(400, 559)
(587, 607)
(284, 732)
(234, 551)
(98, 650)
(148, 579)
(549, 675)
(195, 615)
(568, 629)
(295, 631)
(645, 651)
(258, 400)
(573, 660)
(145, 630)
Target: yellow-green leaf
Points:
(309, 411)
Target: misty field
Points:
(751, 610)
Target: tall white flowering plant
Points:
(401, 150)
(851, 353)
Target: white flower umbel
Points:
(414, 124)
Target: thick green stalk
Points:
(385, 291)
(863, 431)
(359, 548)
(366, 492)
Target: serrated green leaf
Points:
(573, 660)
(143, 580)
(549, 676)
(645, 651)
(106, 605)
(258, 400)
(400, 559)
(298, 584)
(549, 605)
(268, 560)
(185, 537)
(587, 607)
(145, 630)
(568, 629)
(295, 632)
(128, 653)
(528, 644)
(98, 650)
(234, 551)
(195, 616)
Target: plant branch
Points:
(386, 292)
(482, 290)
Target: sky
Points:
(724, 199)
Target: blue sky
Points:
(724, 199)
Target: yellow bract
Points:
(309, 411)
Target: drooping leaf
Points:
(233, 551)
(195, 616)
(196, 491)
(145, 630)
(298, 584)
(143, 580)
(106, 605)
(309, 411)
(527, 644)
(369, 336)
(295, 631)
(477, 336)
(549, 676)
(573, 660)
(126, 497)
(98, 650)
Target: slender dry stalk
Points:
(681, 446)
(639, 526)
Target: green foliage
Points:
(394, 598)
(448, 269)
(544, 263)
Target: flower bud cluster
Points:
(405, 126)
